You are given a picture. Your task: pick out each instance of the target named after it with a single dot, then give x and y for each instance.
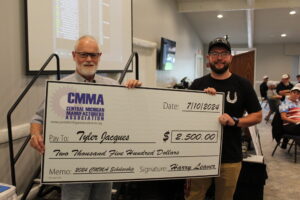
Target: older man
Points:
(239, 97)
(284, 87)
(290, 114)
(86, 55)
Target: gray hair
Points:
(85, 37)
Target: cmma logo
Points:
(85, 98)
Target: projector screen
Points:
(53, 26)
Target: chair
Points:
(279, 135)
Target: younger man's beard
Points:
(219, 71)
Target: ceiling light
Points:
(292, 12)
(283, 35)
(220, 16)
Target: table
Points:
(251, 181)
(7, 192)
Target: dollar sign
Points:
(166, 136)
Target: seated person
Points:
(284, 87)
(273, 99)
(290, 114)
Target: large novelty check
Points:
(107, 133)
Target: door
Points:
(243, 65)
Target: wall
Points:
(12, 55)
(13, 81)
(272, 61)
(155, 19)
(147, 61)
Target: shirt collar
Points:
(79, 78)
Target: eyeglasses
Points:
(86, 54)
(215, 54)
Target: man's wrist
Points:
(236, 121)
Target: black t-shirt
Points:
(281, 87)
(263, 89)
(239, 97)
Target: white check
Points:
(108, 133)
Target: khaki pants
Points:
(225, 184)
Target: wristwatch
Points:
(236, 121)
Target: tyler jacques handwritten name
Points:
(104, 137)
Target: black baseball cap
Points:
(219, 42)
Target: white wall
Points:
(12, 76)
(153, 19)
(13, 81)
(272, 61)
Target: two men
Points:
(86, 55)
(240, 97)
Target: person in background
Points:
(86, 55)
(273, 99)
(240, 97)
(284, 87)
(290, 114)
(298, 78)
(263, 88)
(298, 85)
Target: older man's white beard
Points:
(87, 69)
